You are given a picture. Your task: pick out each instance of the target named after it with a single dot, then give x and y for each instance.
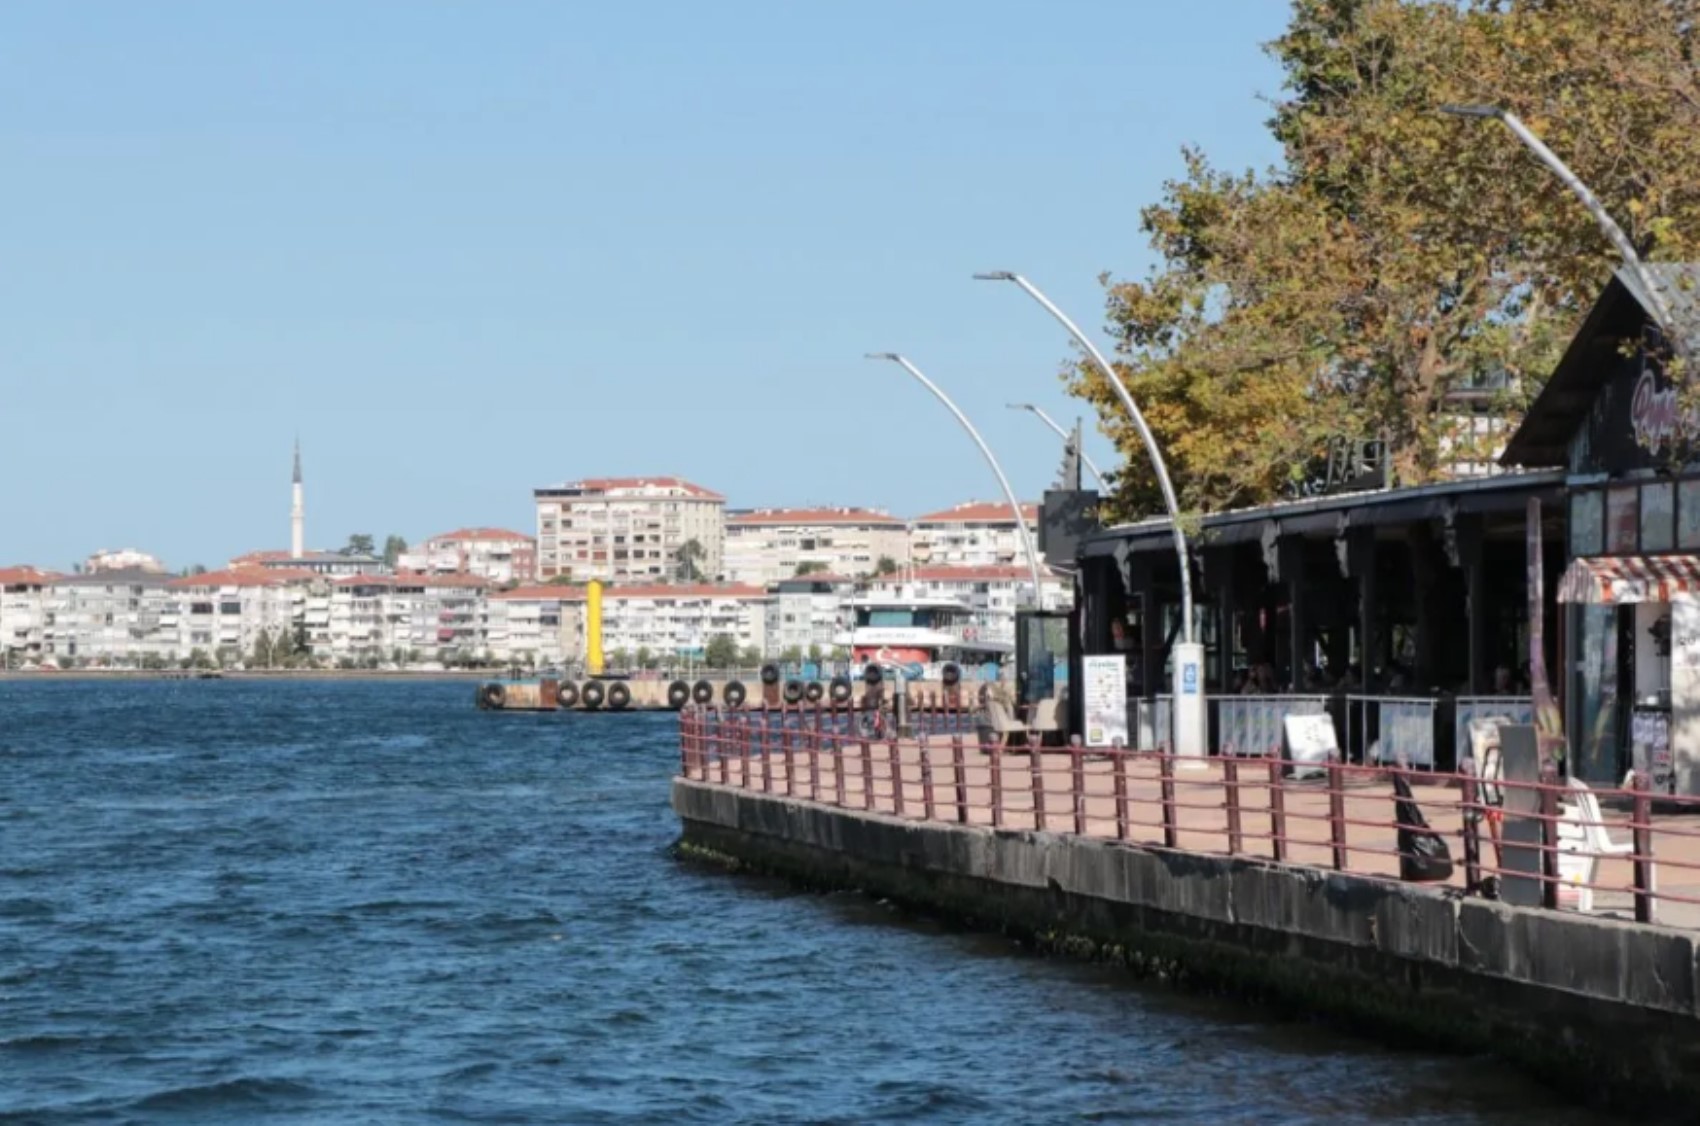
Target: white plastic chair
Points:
(1044, 720)
(1582, 842)
(1002, 722)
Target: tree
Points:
(619, 659)
(690, 556)
(885, 566)
(359, 544)
(815, 653)
(792, 655)
(1398, 257)
(393, 547)
(301, 644)
(559, 580)
(721, 651)
(645, 658)
(264, 653)
(749, 656)
(810, 567)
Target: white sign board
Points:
(1310, 743)
(1105, 698)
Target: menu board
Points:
(1105, 699)
(1658, 502)
(1587, 522)
(1649, 736)
(1621, 522)
(1688, 515)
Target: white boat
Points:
(918, 635)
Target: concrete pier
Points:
(1607, 1009)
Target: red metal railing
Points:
(1550, 842)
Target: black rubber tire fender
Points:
(494, 695)
(733, 694)
(703, 693)
(873, 676)
(793, 691)
(770, 673)
(951, 674)
(841, 690)
(566, 694)
(678, 694)
(592, 695)
(619, 697)
(814, 692)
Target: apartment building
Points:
(769, 544)
(975, 534)
(374, 617)
(678, 621)
(493, 554)
(993, 592)
(112, 616)
(629, 530)
(537, 625)
(806, 612)
(22, 591)
(223, 614)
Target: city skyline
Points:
(508, 248)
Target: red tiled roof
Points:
(979, 512)
(242, 576)
(814, 516)
(664, 593)
(544, 593)
(484, 534)
(607, 484)
(411, 578)
(257, 559)
(25, 576)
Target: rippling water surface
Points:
(361, 902)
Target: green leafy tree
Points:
(393, 547)
(359, 544)
(810, 567)
(815, 653)
(619, 659)
(749, 656)
(559, 580)
(302, 645)
(885, 566)
(645, 657)
(690, 558)
(721, 652)
(792, 655)
(1398, 258)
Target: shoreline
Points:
(252, 674)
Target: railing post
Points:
(838, 770)
(1549, 839)
(867, 774)
(1469, 799)
(926, 778)
(1231, 785)
(786, 750)
(1035, 769)
(744, 752)
(995, 759)
(896, 778)
(959, 772)
(1277, 810)
(765, 749)
(1166, 778)
(1642, 834)
(1118, 762)
(1337, 814)
(1077, 784)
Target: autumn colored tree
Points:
(1399, 256)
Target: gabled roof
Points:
(495, 535)
(1621, 312)
(25, 576)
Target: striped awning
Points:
(1611, 580)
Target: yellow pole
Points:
(593, 628)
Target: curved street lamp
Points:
(1061, 433)
(1625, 249)
(1009, 493)
(1190, 730)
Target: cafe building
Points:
(1612, 422)
(1405, 613)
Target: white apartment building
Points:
(678, 621)
(537, 625)
(975, 534)
(628, 529)
(22, 591)
(992, 592)
(224, 613)
(107, 617)
(376, 616)
(806, 612)
(123, 559)
(770, 544)
(494, 554)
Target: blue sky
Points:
(468, 249)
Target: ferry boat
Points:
(918, 635)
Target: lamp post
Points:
(1009, 493)
(1625, 249)
(1191, 728)
(1061, 433)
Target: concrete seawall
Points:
(1606, 1009)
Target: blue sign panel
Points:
(1189, 679)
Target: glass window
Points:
(1621, 521)
(1688, 515)
(1658, 530)
(1587, 522)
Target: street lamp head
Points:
(1473, 111)
(1021, 406)
(892, 356)
(995, 275)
